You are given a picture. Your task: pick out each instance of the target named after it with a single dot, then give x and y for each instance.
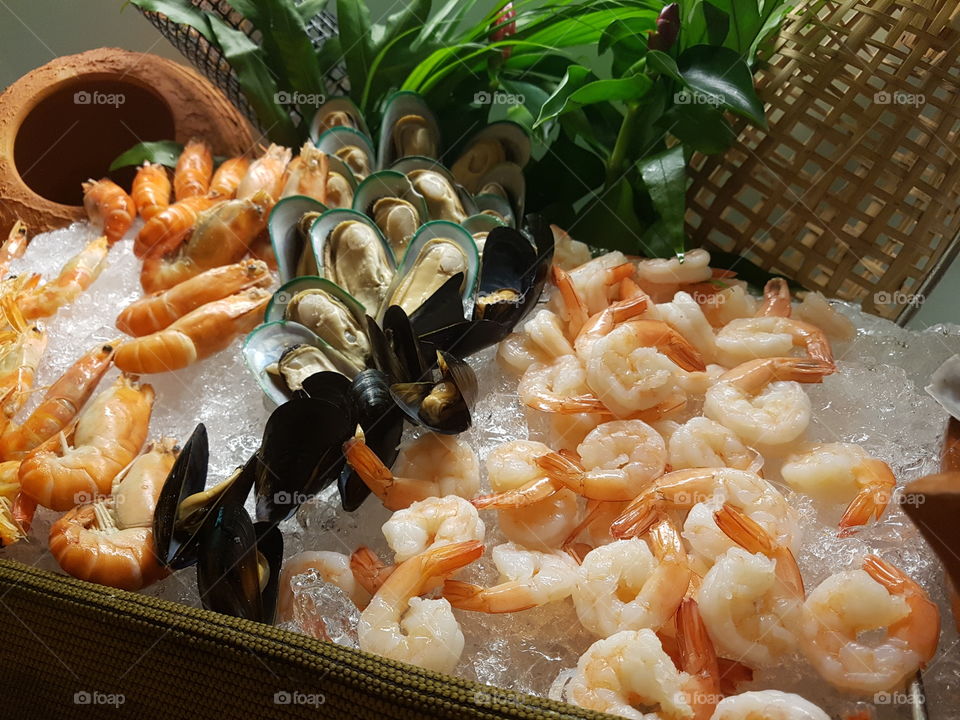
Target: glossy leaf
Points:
(610, 220)
(699, 127)
(744, 22)
(723, 77)
(179, 11)
(160, 152)
(665, 178)
(353, 19)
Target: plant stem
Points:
(622, 146)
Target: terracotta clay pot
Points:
(66, 121)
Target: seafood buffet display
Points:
(386, 408)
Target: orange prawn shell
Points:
(227, 178)
(151, 190)
(108, 205)
(167, 229)
(124, 560)
(191, 177)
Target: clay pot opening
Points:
(80, 127)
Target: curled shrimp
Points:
(222, 235)
(402, 626)
(843, 472)
(19, 358)
(751, 598)
(107, 435)
(559, 386)
(684, 315)
(625, 586)
(151, 190)
(630, 675)
(618, 459)
(816, 310)
(430, 523)
(331, 567)
(265, 174)
(568, 253)
(528, 579)
(532, 510)
(566, 432)
(770, 336)
(600, 324)
(75, 276)
(195, 336)
(596, 282)
(60, 404)
(704, 443)
(776, 299)
(545, 331)
(110, 541)
(767, 705)
(226, 180)
(762, 400)
(109, 208)
(847, 605)
(191, 177)
(166, 229)
(13, 247)
(155, 312)
(370, 571)
(699, 492)
(431, 466)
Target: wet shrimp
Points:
(158, 311)
(151, 190)
(684, 315)
(109, 208)
(662, 277)
(107, 435)
(110, 541)
(751, 598)
(603, 322)
(625, 586)
(767, 705)
(432, 466)
(430, 523)
(399, 625)
(566, 432)
(532, 510)
(167, 228)
(700, 492)
(762, 401)
(195, 336)
(226, 180)
(704, 443)
(843, 472)
(13, 247)
(19, 357)
(331, 567)
(568, 253)
(222, 236)
(723, 302)
(816, 310)
(846, 606)
(528, 579)
(309, 176)
(559, 386)
(265, 174)
(60, 404)
(191, 177)
(596, 282)
(770, 336)
(618, 459)
(77, 274)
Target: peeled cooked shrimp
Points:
(560, 386)
(151, 190)
(625, 586)
(432, 466)
(596, 282)
(770, 336)
(767, 705)
(568, 253)
(528, 579)
(722, 303)
(77, 274)
(197, 335)
(110, 541)
(684, 315)
(617, 460)
(430, 523)
(843, 472)
(816, 310)
(762, 400)
(402, 626)
(109, 208)
(545, 332)
(694, 268)
(751, 598)
(847, 605)
(108, 434)
(704, 443)
(332, 567)
(568, 431)
(191, 177)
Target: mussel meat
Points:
(333, 322)
(398, 219)
(443, 201)
(354, 258)
(442, 405)
(299, 362)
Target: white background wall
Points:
(33, 32)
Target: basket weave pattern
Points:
(854, 188)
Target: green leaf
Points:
(724, 79)
(309, 9)
(609, 220)
(353, 19)
(615, 90)
(744, 20)
(574, 78)
(693, 24)
(773, 17)
(665, 178)
(699, 127)
(628, 41)
(259, 88)
(412, 17)
(663, 63)
(179, 11)
(161, 152)
(718, 23)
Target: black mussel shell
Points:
(442, 309)
(403, 340)
(442, 406)
(506, 277)
(329, 386)
(382, 424)
(301, 452)
(270, 549)
(384, 357)
(465, 338)
(187, 476)
(228, 568)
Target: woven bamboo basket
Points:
(855, 188)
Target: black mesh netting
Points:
(209, 61)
